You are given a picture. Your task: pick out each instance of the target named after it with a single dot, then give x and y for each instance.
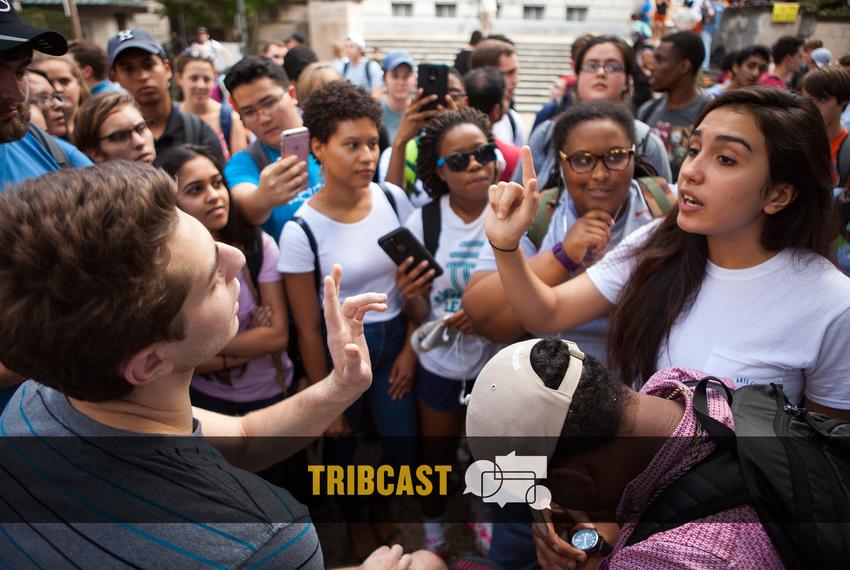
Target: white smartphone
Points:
(295, 142)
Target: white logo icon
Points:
(125, 35)
(511, 479)
(5, 6)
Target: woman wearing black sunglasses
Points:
(457, 164)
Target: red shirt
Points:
(834, 145)
(511, 154)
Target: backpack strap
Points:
(369, 60)
(650, 110)
(431, 223)
(512, 122)
(390, 198)
(190, 127)
(50, 145)
(225, 119)
(258, 154)
(714, 485)
(843, 162)
(314, 247)
(657, 195)
(543, 216)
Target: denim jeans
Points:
(512, 545)
(395, 420)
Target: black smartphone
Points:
(401, 244)
(433, 79)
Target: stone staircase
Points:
(540, 62)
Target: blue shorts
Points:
(439, 393)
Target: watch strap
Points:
(563, 258)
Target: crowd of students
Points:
(704, 229)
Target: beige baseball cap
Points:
(511, 407)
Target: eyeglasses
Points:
(459, 161)
(266, 106)
(608, 66)
(457, 95)
(47, 99)
(617, 158)
(124, 135)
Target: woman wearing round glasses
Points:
(457, 164)
(49, 101)
(605, 68)
(110, 127)
(603, 203)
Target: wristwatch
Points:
(563, 258)
(591, 542)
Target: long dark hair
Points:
(671, 265)
(237, 232)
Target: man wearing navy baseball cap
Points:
(139, 64)
(25, 150)
(399, 80)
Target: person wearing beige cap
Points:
(610, 450)
(361, 70)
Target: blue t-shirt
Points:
(242, 168)
(27, 158)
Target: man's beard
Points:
(14, 129)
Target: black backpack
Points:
(791, 465)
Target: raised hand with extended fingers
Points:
(346, 341)
(512, 207)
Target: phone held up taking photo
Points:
(295, 142)
(434, 80)
(400, 244)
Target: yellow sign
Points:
(367, 480)
(784, 12)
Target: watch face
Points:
(585, 539)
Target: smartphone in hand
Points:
(433, 79)
(295, 142)
(400, 244)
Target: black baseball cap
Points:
(132, 39)
(14, 33)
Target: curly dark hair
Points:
(338, 101)
(596, 412)
(429, 144)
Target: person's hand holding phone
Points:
(415, 117)
(415, 281)
(283, 180)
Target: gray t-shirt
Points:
(79, 493)
(357, 74)
(673, 126)
(392, 120)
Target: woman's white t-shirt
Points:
(366, 267)
(786, 320)
(457, 253)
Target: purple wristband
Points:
(563, 258)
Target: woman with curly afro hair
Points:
(457, 164)
(341, 224)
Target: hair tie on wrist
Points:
(516, 247)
